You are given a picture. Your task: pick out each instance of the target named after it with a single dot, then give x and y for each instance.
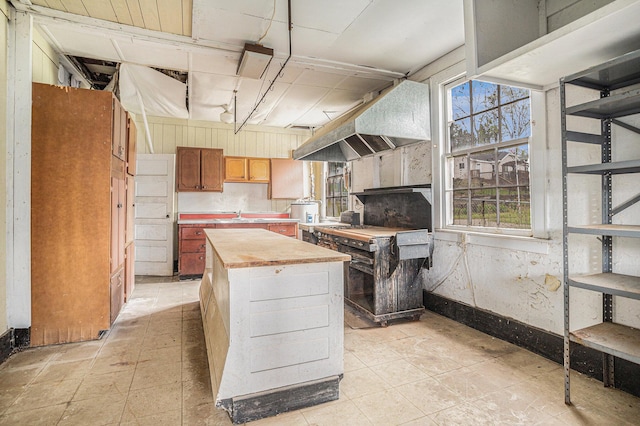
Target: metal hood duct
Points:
(398, 117)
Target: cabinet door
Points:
(132, 142)
(235, 169)
(117, 222)
(287, 229)
(192, 264)
(116, 290)
(188, 173)
(211, 170)
(119, 135)
(259, 170)
(130, 209)
(129, 271)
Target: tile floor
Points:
(152, 369)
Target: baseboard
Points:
(549, 345)
(270, 403)
(12, 339)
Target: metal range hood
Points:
(398, 117)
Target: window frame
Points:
(344, 194)
(446, 216)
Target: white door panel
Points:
(155, 212)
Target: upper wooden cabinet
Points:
(244, 169)
(131, 145)
(199, 169)
(119, 135)
(287, 177)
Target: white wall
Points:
(252, 141)
(520, 277)
(45, 60)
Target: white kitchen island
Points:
(272, 309)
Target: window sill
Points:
(503, 241)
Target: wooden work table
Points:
(272, 310)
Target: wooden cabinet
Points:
(191, 249)
(116, 294)
(119, 131)
(245, 169)
(199, 169)
(78, 213)
(132, 142)
(287, 178)
(192, 241)
(129, 270)
(287, 229)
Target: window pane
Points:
(460, 101)
(482, 168)
(485, 128)
(330, 211)
(343, 205)
(516, 120)
(515, 207)
(460, 135)
(460, 172)
(510, 94)
(460, 203)
(513, 165)
(485, 96)
(484, 207)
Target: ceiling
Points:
(341, 52)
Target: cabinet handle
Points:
(204, 186)
(201, 258)
(119, 205)
(197, 186)
(203, 246)
(198, 232)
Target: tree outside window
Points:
(488, 159)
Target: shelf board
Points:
(584, 137)
(609, 283)
(619, 105)
(619, 72)
(608, 230)
(611, 338)
(620, 167)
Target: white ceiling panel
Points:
(154, 55)
(81, 43)
(342, 51)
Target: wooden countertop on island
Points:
(246, 248)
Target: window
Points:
(487, 182)
(336, 192)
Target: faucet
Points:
(239, 213)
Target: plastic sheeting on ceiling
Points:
(160, 94)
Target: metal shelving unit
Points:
(610, 338)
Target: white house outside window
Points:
(487, 183)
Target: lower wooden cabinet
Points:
(116, 290)
(192, 242)
(129, 271)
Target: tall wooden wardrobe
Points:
(79, 203)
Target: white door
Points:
(155, 214)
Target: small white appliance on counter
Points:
(305, 211)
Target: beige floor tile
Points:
(58, 371)
(168, 418)
(45, 394)
(422, 421)
(161, 355)
(512, 406)
(469, 384)
(18, 377)
(114, 364)
(112, 385)
(529, 363)
(158, 341)
(340, 413)
(205, 415)
(399, 372)
(9, 396)
(387, 407)
(351, 362)
(433, 364)
(465, 414)
(196, 392)
(429, 395)
(44, 416)
(294, 418)
(79, 351)
(31, 358)
(375, 353)
(103, 410)
(361, 382)
(150, 374)
(152, 401)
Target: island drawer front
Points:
(194, 232)
(288, 229)
(192, 263)
(193, 246)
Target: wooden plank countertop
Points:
(363, 234)
(246, 248)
